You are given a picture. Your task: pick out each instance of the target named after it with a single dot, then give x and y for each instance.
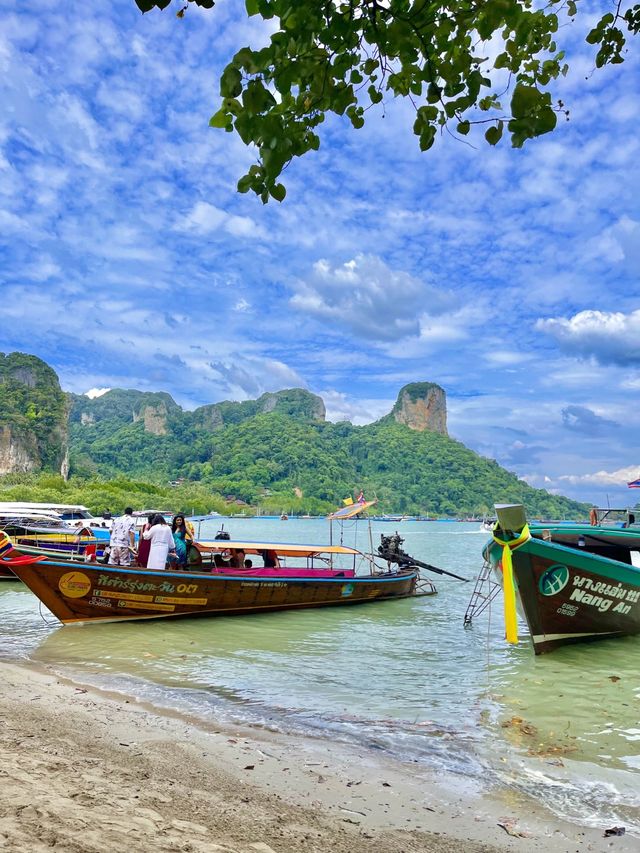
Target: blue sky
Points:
(509, 277)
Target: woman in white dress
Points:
(162, 543)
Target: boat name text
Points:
(602, 595)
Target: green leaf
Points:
(524, 100)
(278, 192)
(230, 82)
(464, 127)
(494, 134)
(253, 8)
(220, 119)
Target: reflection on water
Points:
(402, 676)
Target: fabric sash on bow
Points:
(510, 618)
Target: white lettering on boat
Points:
(609, 590)
(603, 604)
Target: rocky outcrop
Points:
(18, 453)
(294, 402)
(154, 419)
(119, 407)
(33, 416)
(422, 406)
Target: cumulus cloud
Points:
(603, 478)
(610, 337)
(207, 219)
(92, 393)
(585, 420)
(369, 298)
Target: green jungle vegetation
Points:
(276, 453)
(33, 406)
(111, 494)
(281, 462)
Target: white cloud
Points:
(370, 299)
(610, 337)
(207, 219)
(604, 478)
(92, 393)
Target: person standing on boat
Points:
(162, 543)
(122, 539)
(144, 546)
(183, 537)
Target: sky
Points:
(509, 277)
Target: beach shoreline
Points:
(85, 770)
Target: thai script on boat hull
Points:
(603, 595)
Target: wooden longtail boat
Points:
(572, 583)
(29, 537)
(93, 592)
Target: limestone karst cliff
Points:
(422, 406)
(33, 416)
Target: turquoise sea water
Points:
(403, 677)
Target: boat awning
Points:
(352, 509)
(281, 548)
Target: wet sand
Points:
(83, 770)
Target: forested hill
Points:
(277, 452)
(291, 461)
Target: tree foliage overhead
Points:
(461, 63)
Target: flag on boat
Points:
(634, 484)
(347, 501)
(352, 509)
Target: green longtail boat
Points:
(572, 583)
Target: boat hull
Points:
(97, 593)
(572, 596)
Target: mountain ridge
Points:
(280, 450)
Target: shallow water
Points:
(404, 677)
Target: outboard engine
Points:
(390, 549)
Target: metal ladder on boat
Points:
(484, 591)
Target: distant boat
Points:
(284, 517)
(573, 583)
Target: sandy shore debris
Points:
(82, 770)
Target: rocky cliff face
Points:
(295, 402)
(33, 416)
(154, 418)
(18, 453)
(422, 406)
(119, 407)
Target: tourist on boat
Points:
(182, 537)
(237, 558)
(122, 539)
(162, 543)
(219, 561)
(248, 564)
(144, 545)
(270, 559)
(593, 516)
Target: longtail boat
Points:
(37, 535)
(572, 583)
(93, 592)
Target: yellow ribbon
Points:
(510, 618)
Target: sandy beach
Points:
(83, 770)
